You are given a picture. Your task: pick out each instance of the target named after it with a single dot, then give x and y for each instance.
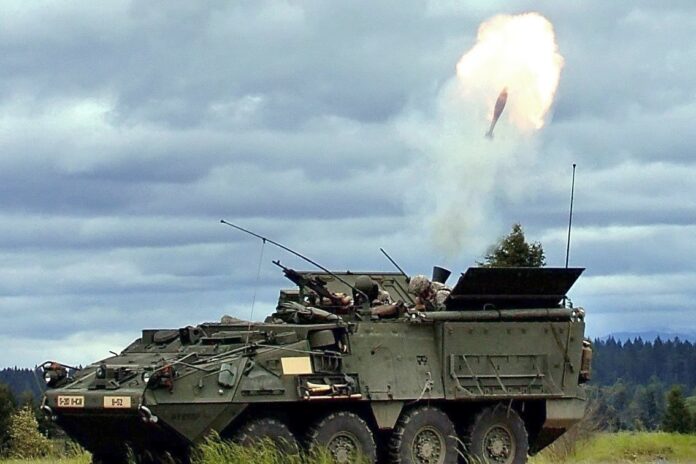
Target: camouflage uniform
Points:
(430, 296)
(383, 298)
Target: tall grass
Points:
(83, 459)
(57, 452)
(214, 450)
(217, 451)
(604, 448)
(577, 436)
(646, 447)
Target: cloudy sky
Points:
(129, 129)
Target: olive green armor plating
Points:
(498, 370)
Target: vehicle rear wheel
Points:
(345, 436)
(267, 428)
(498, 436)
(424, 435)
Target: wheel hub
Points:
(499, 446)
(428, 447)
(343, 448)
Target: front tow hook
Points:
(48, 412)
(146, 415)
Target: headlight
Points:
(101, 371)
(54, 374)
(160, 377)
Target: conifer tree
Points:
(514, 251)
(26, 442)
(7, 407)
(677, 418)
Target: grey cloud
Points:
(650, 250)
(305, 61)
(72, 348)
(620, 193)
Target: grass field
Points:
(627, 447)
(86, 459)
(604, 448)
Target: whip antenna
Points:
(393, 262)
(301, 256)
(256, 288)
(570, 216)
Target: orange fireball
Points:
(519, 53)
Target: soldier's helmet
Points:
(368, 286)
(418, 284)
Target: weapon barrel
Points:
(550, 314)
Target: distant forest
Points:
(630, 381)
(22, 382)
(672, 362)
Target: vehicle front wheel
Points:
(345, 436)
(267, 428)
(498, 436)
(159, 457)
(110, 457)
(424, 435)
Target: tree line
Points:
(22, 382)
(644, 385)
(673, 362)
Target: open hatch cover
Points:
(511, 288)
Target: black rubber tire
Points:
(267, 428)
(497, 436)
(110, 457)
(338, 432)
(161, 457)
(424, 435)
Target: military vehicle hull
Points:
(505, 382)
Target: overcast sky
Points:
(128, 130)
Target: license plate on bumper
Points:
(94, 401)
(117, 402)
(70, 401)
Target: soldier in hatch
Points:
(380, 301)
(368, 287)
(430, 296)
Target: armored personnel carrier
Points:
(349, 362)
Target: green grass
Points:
(217, 451)
(602, 448)
(85, 459)
(627, 447)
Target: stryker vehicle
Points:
(496, 373)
